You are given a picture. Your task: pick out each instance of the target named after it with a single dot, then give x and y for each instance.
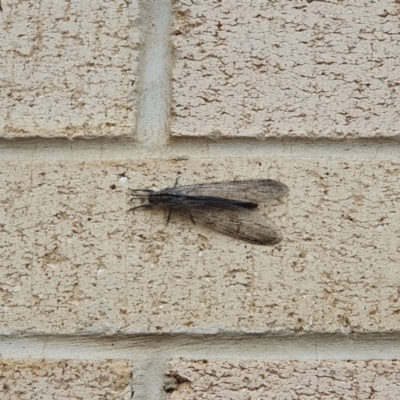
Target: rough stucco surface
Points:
(255, 380)
(67, 68)
(295, 68)
(73, 259)
(66, 379)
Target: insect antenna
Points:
(140, 193)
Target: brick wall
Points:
(99, 97)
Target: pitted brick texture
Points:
(67, 68)
(74, 260)
(65, 379)
(255, 380)
(295, 68)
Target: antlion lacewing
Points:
(227, 207)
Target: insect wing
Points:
(254, 190)
(236, 222)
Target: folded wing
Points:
(236, 222)
(255, 190)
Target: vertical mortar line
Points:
(148, 380)
(154, 74)
(152, 129)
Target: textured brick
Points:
(255, 380)
(67, 68)
(73, 259)
(293, 68)
(66, 379)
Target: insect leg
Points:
(177, 179)
(141, 206)
(169, 215)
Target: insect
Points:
(227, 207)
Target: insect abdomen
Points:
(179, 200)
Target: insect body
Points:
(227, 207)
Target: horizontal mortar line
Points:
(190, 148)
(222, 346)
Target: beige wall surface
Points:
(97, 301)
(67, 68)
(286, 380)
(78, 262)
(65, 379)
(286, 69)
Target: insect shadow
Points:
(227, 207)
